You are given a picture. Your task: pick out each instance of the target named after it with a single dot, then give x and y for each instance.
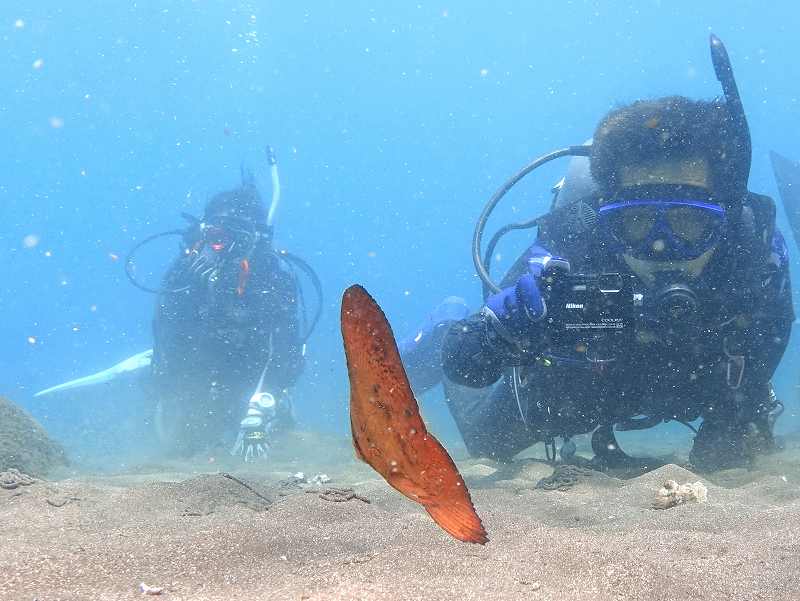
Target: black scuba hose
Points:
(487, 258)
(296, 261)
(480, 266)
(290, 258)
(129, 264)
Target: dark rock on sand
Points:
(205, 494)
(24, 444)
(565, 476)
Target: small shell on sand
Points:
(672, 494)
(320, 479)
(150, 590)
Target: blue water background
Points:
(393, 123)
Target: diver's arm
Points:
(507, 332)
(421, 351)
(421, 356)
(773, 316)
(467, 354)
(280, 321)
(174, 319)
(474, 353)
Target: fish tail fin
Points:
(459, 520)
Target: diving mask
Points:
(225, 234)
(662, 230)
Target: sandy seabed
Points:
(199, 534)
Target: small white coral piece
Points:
(320, 479)
(150, 590)
(672, 494)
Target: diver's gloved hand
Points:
(205, 264)
(252, 441)
(518, 307)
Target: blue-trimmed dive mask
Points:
(662, 230)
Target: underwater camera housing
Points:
(590, 315)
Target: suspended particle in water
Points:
(19, 24)
(56, 122)
(38, 63)
(48, 253)
(113, 256)
(484, 72)
(30, 241)
(31, 339)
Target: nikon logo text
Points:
(574, 305)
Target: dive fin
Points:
(787, 175)
(133, 363)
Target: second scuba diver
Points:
(657, 290)
(229, 329)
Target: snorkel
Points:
(733, 101)
(579, 215)
(276, 186)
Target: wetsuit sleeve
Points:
(173, 318)
(278, 318)
(475, 354)
(421, 356)
(773, 315)
(476, 350)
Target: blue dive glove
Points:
(518, 307)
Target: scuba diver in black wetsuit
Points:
(229, 328)
(657, 290)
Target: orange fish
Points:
(388, 431)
